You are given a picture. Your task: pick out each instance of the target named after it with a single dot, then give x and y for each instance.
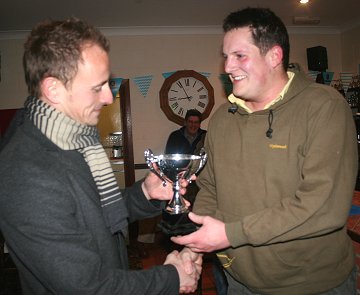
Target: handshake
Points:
(188, 265)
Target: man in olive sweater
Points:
(277, 188)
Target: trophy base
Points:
(177, 224)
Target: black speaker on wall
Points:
(317, 58)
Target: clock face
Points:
(185, 90)
(187, 93)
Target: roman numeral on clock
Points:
(201, 88)
(175, 105)
(181, 112)
(201, 104)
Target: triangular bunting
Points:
(207, 75)
(115, 84)
(346, 78)
(168, 74)
(143, 83)
(328, 77)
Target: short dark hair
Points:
(54, 48)
(266, 27)
(193, 112)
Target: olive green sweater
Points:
(284, 199)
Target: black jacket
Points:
(54, 228)
(178, 144)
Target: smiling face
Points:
(257, 78)
(84, 97)
(192, 125)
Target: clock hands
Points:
(187, 96)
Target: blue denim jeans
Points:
(220, 278)
(348, 287)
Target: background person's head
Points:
(192, 121)
(267, 29)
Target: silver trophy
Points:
(172, 168)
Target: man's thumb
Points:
(196, 218)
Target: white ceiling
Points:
(23, 14)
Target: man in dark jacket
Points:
(63, 215)
(189, 139)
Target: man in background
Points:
(63, 215)
(189, 139)
(276, 190)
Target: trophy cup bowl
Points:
(173, 168)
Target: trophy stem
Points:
(177, 204)
(172, 168)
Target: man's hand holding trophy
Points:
(172, 168)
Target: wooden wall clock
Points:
(184, 90)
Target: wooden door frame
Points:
(126, 121)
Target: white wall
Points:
(149, 55)
(331, 42)
(350, 44)
(12, 85)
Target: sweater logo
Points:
(278, 146)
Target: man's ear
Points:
(50, 89)
(275, 55)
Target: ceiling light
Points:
(304, 1)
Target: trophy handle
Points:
(203, 159)
(150, 161)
